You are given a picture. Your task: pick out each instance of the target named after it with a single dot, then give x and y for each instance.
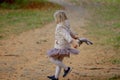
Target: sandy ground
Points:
(24, 57)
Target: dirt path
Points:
(24, 57)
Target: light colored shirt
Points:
(62, 36)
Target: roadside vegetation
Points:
(17, 16)
(115, 77)
(104, 26)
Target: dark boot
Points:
(66, 72)
(52, 77)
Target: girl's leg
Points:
(59, 66)
(57, 72)
(59, 63)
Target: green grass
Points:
(17, 4)
(115, 61)
(16, 21)
(104, 25)
(95, 1)
(115, 77)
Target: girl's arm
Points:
(72, 33)
(74, 43)
(73, 36)
(69, 38)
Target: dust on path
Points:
(24, 57)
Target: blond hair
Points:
(60, 16)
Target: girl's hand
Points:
(74, 43)
(75, 46)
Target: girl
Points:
(64, 38)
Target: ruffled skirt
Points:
(62, 52)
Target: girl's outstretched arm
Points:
(74, 36)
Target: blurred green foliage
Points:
(15, 21)
(115, 77)
(104, 24)
(16, 4)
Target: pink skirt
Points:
(62, 52)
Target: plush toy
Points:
(81, 40)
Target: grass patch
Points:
(107, 25)
(18, 4)
(95, 2)
(115, 61)
(16, 21)
(104, 25)
(106, 28)
(115, 77)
